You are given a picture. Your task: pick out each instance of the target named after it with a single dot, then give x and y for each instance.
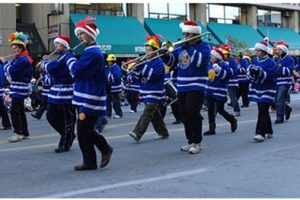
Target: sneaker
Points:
(161, 137)
(195, 148)
(185, 147)
(259, 138)
(134, 136)
(237, 114)
(16, 138)
(268, 136)
(5, 128)
(117, 117)
(132, 111)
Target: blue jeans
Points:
(233, 99)
(281, 97)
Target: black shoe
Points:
(210, 132)
(229, 104)
(177, 122)
(288, 114)
(34, 116)
(244, 106)
(106, 158)
(278, 121)
(233, 125)
(61, 150)
(83, 167)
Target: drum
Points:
(171, 92)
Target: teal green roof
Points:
(169, 29)
(242, 33)
(118, 35)
(276, 34)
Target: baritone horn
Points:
(166, 48)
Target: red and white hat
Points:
(283, 46)
(87, 27)
(190, 27)
(262, 45)
(215, 52)
(64, 40)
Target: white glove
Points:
(217, 69)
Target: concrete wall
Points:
(7, 25)
(136, 10)
(38, 14)
(198, 12)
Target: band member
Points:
(151, 92)
(45, 82)
(60, 113)
(171, 99)
(89, 95)
(233, 81)
(284, 82)
(262, 73)
(133, 83)
(217, 91)
(243, 88)
(114, 74)
(192, 59)
(19, 72)
(3, 109)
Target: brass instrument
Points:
(40, 65)
(167, 46)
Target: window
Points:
(166, 10)
(223, 14)
(115, 9)
(269, 18)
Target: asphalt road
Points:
(230, 164)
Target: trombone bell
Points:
(168, 45)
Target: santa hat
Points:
(283, 46)
(190, 27)
(247, 56)
(153, 41)
(64, 40)
(18, 38)
(262, 45)
(215, 52)
(87, 27)
(226, 49)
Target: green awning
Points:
(242, 33)
(169, 29)
(276, 34)
(124, 36)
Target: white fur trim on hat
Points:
(216, 54)
(92, 35)
(190, 29)
(260, 46)
(63, 42)
(282, 47)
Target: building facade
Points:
(43, 22)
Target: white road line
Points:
(128, 183)
(126, 136)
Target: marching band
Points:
(186, 75)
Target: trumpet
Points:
(40, 64)
(167, 47)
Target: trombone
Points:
(40, 64)
(167, 46)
